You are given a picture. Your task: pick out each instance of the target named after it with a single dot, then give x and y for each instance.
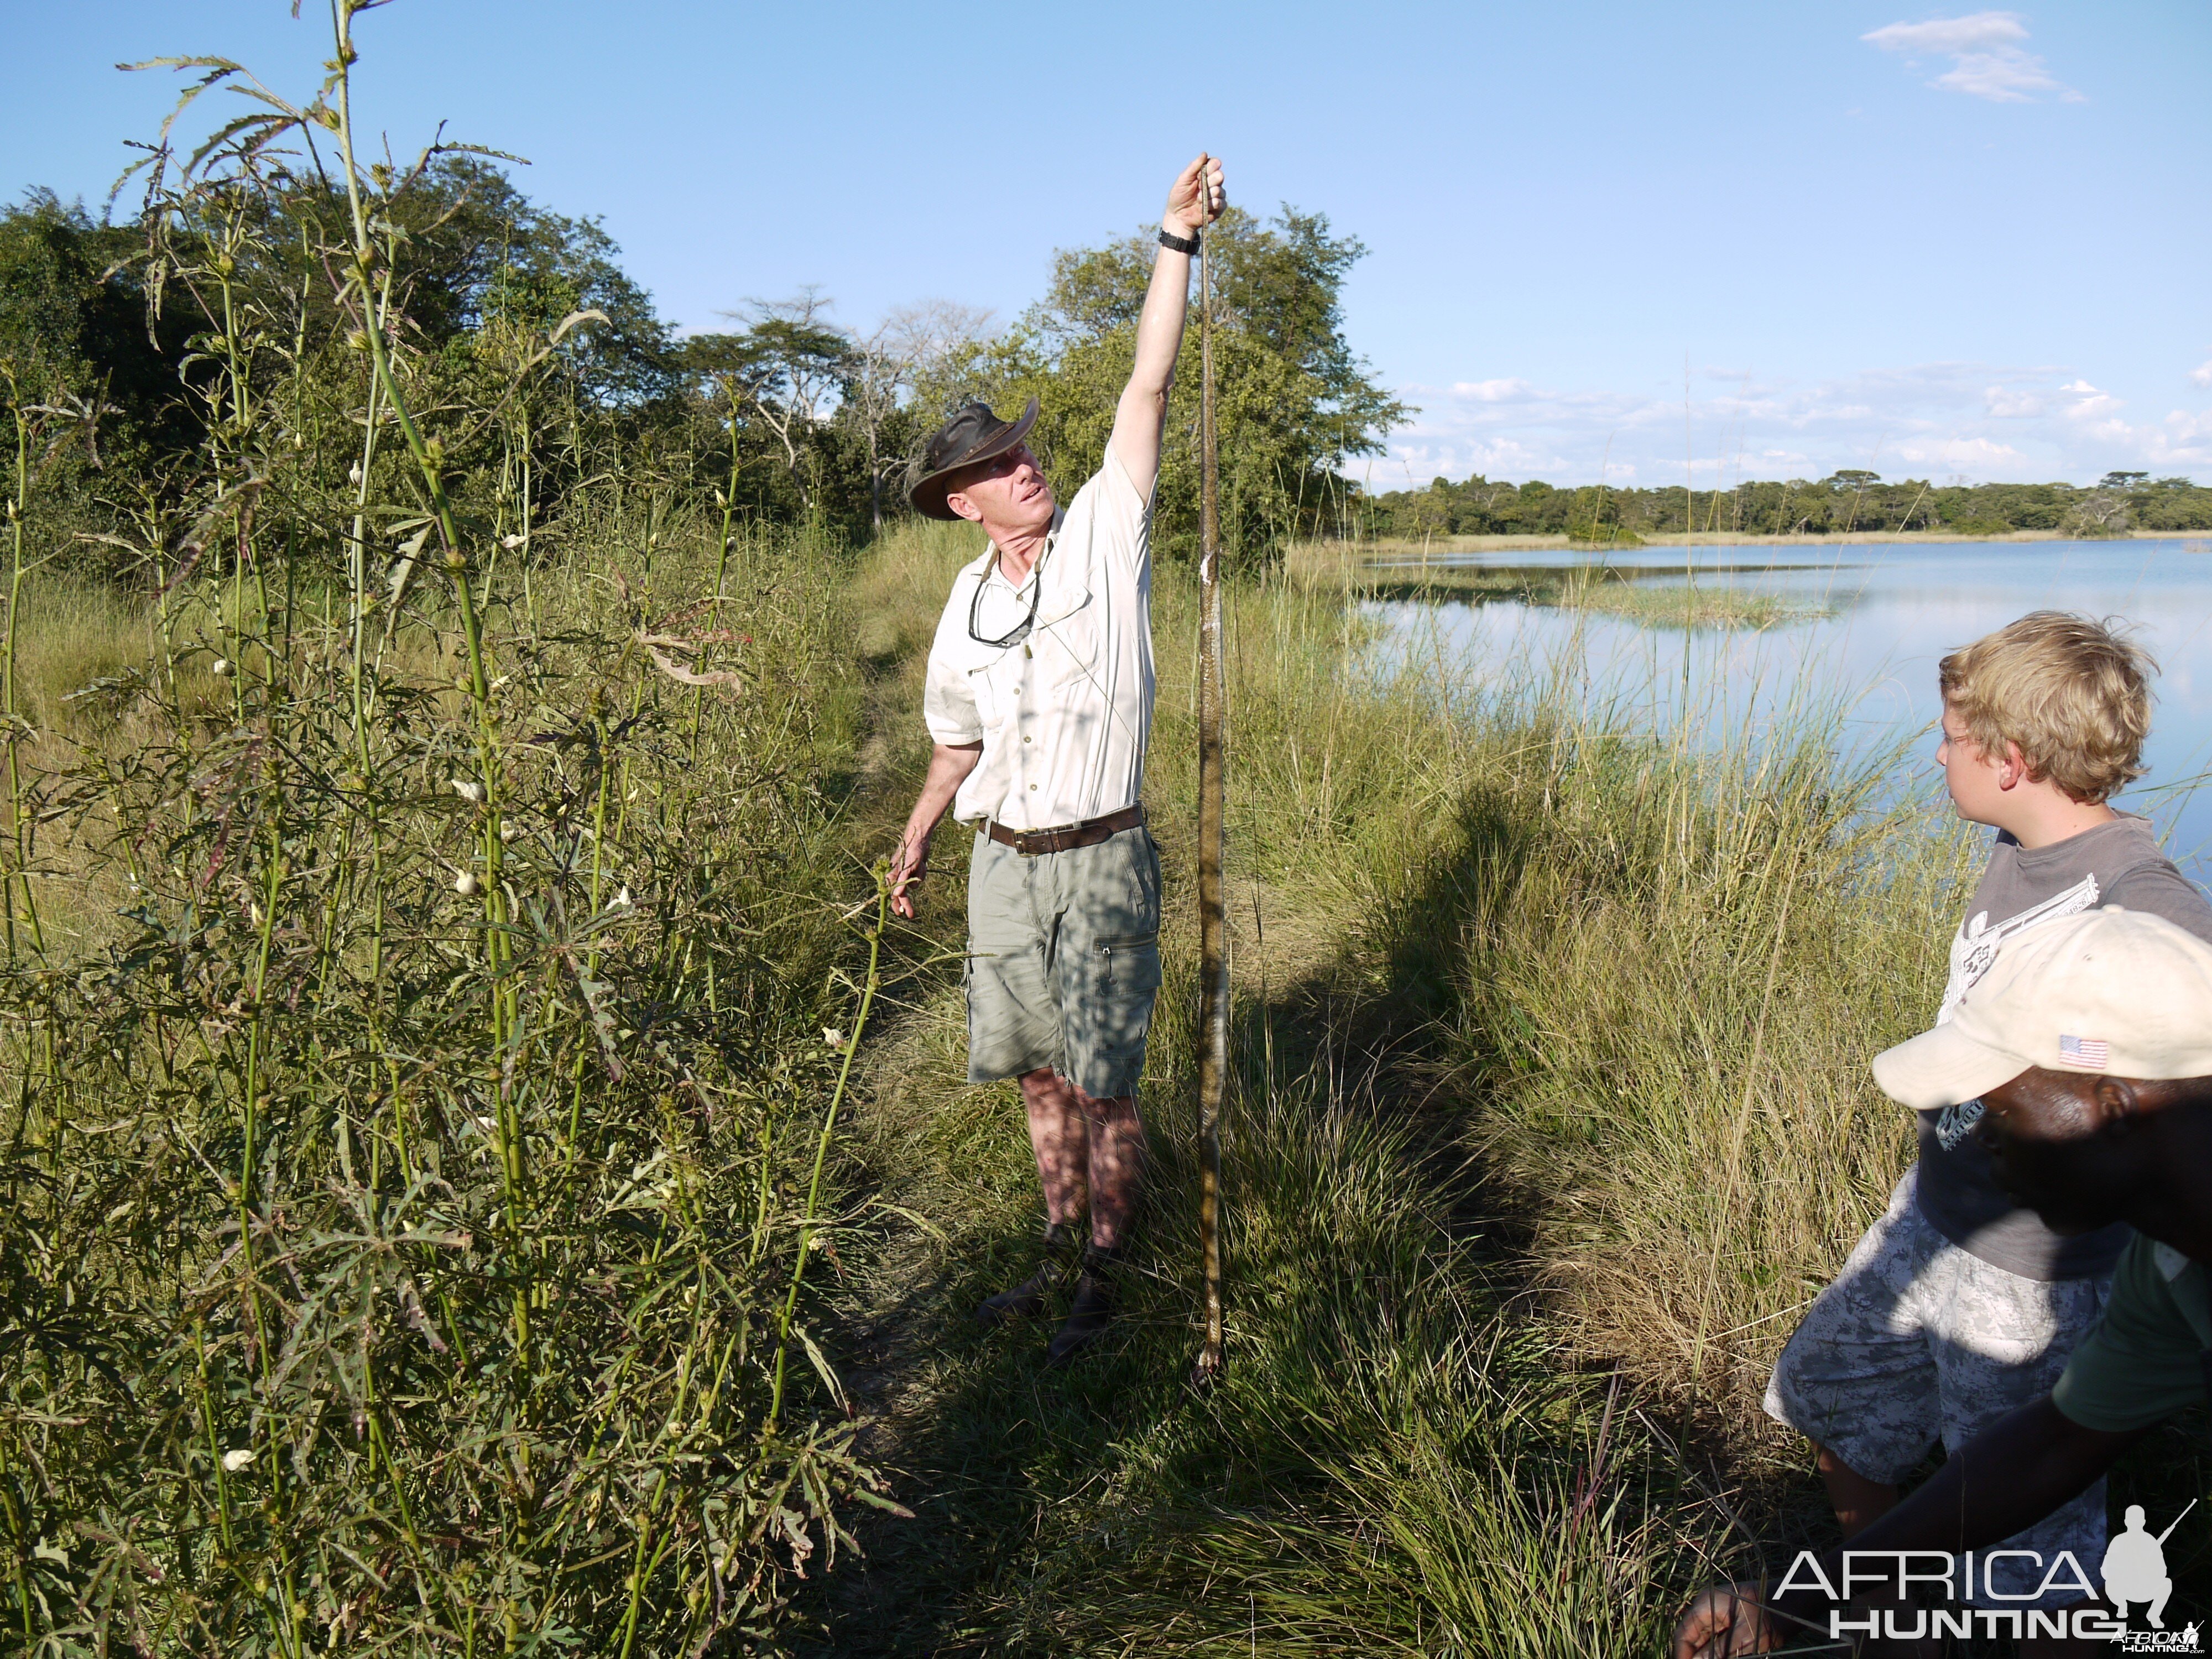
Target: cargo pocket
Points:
(1117, 1016)
(1131, 962)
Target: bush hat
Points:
(2117, 992)
(972, 435)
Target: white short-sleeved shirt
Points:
(1063, 716)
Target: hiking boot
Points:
(1027, 1299)
(1093, 1310)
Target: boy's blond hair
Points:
(2073, 694)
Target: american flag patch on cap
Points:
(2090, 1054)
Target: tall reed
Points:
(405, 1250)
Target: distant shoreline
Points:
(1401, 545)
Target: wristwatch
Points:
(1186, 245)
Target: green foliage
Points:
(341, 1307)
(778, 382)
(416, 975)
(1293, 401)
(73, 321)
(795, 417)
(1854, 500)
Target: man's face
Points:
(2042, 1130)
(1007, 493)
(1970, 772)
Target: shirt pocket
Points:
(997, 686)
(1067, 641)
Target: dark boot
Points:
(1093, 1310)
(1027, 1299)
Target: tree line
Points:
(1852, 500)
(787, 414)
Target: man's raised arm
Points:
(1194, 201)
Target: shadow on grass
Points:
(1397, 1452)
(1504, 1009)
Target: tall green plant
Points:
(377, 1179)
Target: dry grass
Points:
(1397, 1444)
(1651, 597)
(1668, 604)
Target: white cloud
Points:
(1986, 59)
(1989, 422)
(2007, 75)
(2088, 402)
(1963, 455)
(1978, 33)
(2202, 374)
(1492, 392)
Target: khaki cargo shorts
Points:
(1064, 961)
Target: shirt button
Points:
(1024, 739)
(1033, 789)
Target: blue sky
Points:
(1933, 243)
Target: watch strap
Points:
(1185, 245)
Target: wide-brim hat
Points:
(974, 434)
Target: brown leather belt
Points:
(1067, 836)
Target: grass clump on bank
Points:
(1665, 603)
(1650, 598)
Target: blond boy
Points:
(1960, 1305)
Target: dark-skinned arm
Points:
(2002, 1482)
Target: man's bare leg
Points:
(1858, 1502)
(1116, 1142)
(1090, 1153)
(1058, 1135)
(1111, 1175)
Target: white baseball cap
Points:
(2117, 992)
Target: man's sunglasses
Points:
(997, 467)
(1021, 631)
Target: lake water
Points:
(1891, 612)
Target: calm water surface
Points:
(1892, 612)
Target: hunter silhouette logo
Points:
(2135, 1571)
(2135, 1567)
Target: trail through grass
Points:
(1554, 1092)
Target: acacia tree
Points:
(792, 367)
(894, 369)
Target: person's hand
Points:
(1725, 1621)
(1191, 205)
(908, 865)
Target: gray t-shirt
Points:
(2116, 864)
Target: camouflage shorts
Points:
(1918, 1340)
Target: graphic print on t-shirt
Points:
(1972, 953)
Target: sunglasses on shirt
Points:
(998, 467)
(1021, 631)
